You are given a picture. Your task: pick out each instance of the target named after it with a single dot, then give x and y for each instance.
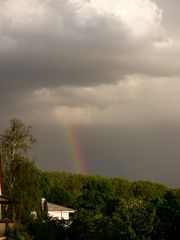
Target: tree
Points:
(59, 196)
(167, 218)
(15, 141)
(21, 181)
(95, 195)
(26, 189)
(148, 190)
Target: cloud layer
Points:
(88, 62)
(52, 43)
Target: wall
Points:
(59, 215)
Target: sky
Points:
(98, 81)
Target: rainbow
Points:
(74, 148)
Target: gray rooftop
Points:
(55, 207)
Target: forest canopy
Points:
(106, 208)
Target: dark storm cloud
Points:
(57, 51)
(48, 44)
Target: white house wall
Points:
(59, 215)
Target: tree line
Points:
(106, 208)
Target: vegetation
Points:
(107, 208)
(21, 177)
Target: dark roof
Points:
(4, 200)
(55, 207)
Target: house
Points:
(57, 211)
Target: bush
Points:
(19, 232)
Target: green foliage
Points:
(96, 192)
(55, 183)
(16, 141)
(177, 194)
(59, 196)
(48, 230)
(21, 180)
(45, 184)
(111, 209)
(19, 232)
(25, 192)
(144, 211)
(148, 190)
(101, 227)
(142, 216)
(168, 218)
(122, 188)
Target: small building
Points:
(57, 211)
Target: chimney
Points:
(44, 205)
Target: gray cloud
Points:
(54, 43)
(171, 18)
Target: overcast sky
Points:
(110, 68)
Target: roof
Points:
(55, 207)
(4, 200)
